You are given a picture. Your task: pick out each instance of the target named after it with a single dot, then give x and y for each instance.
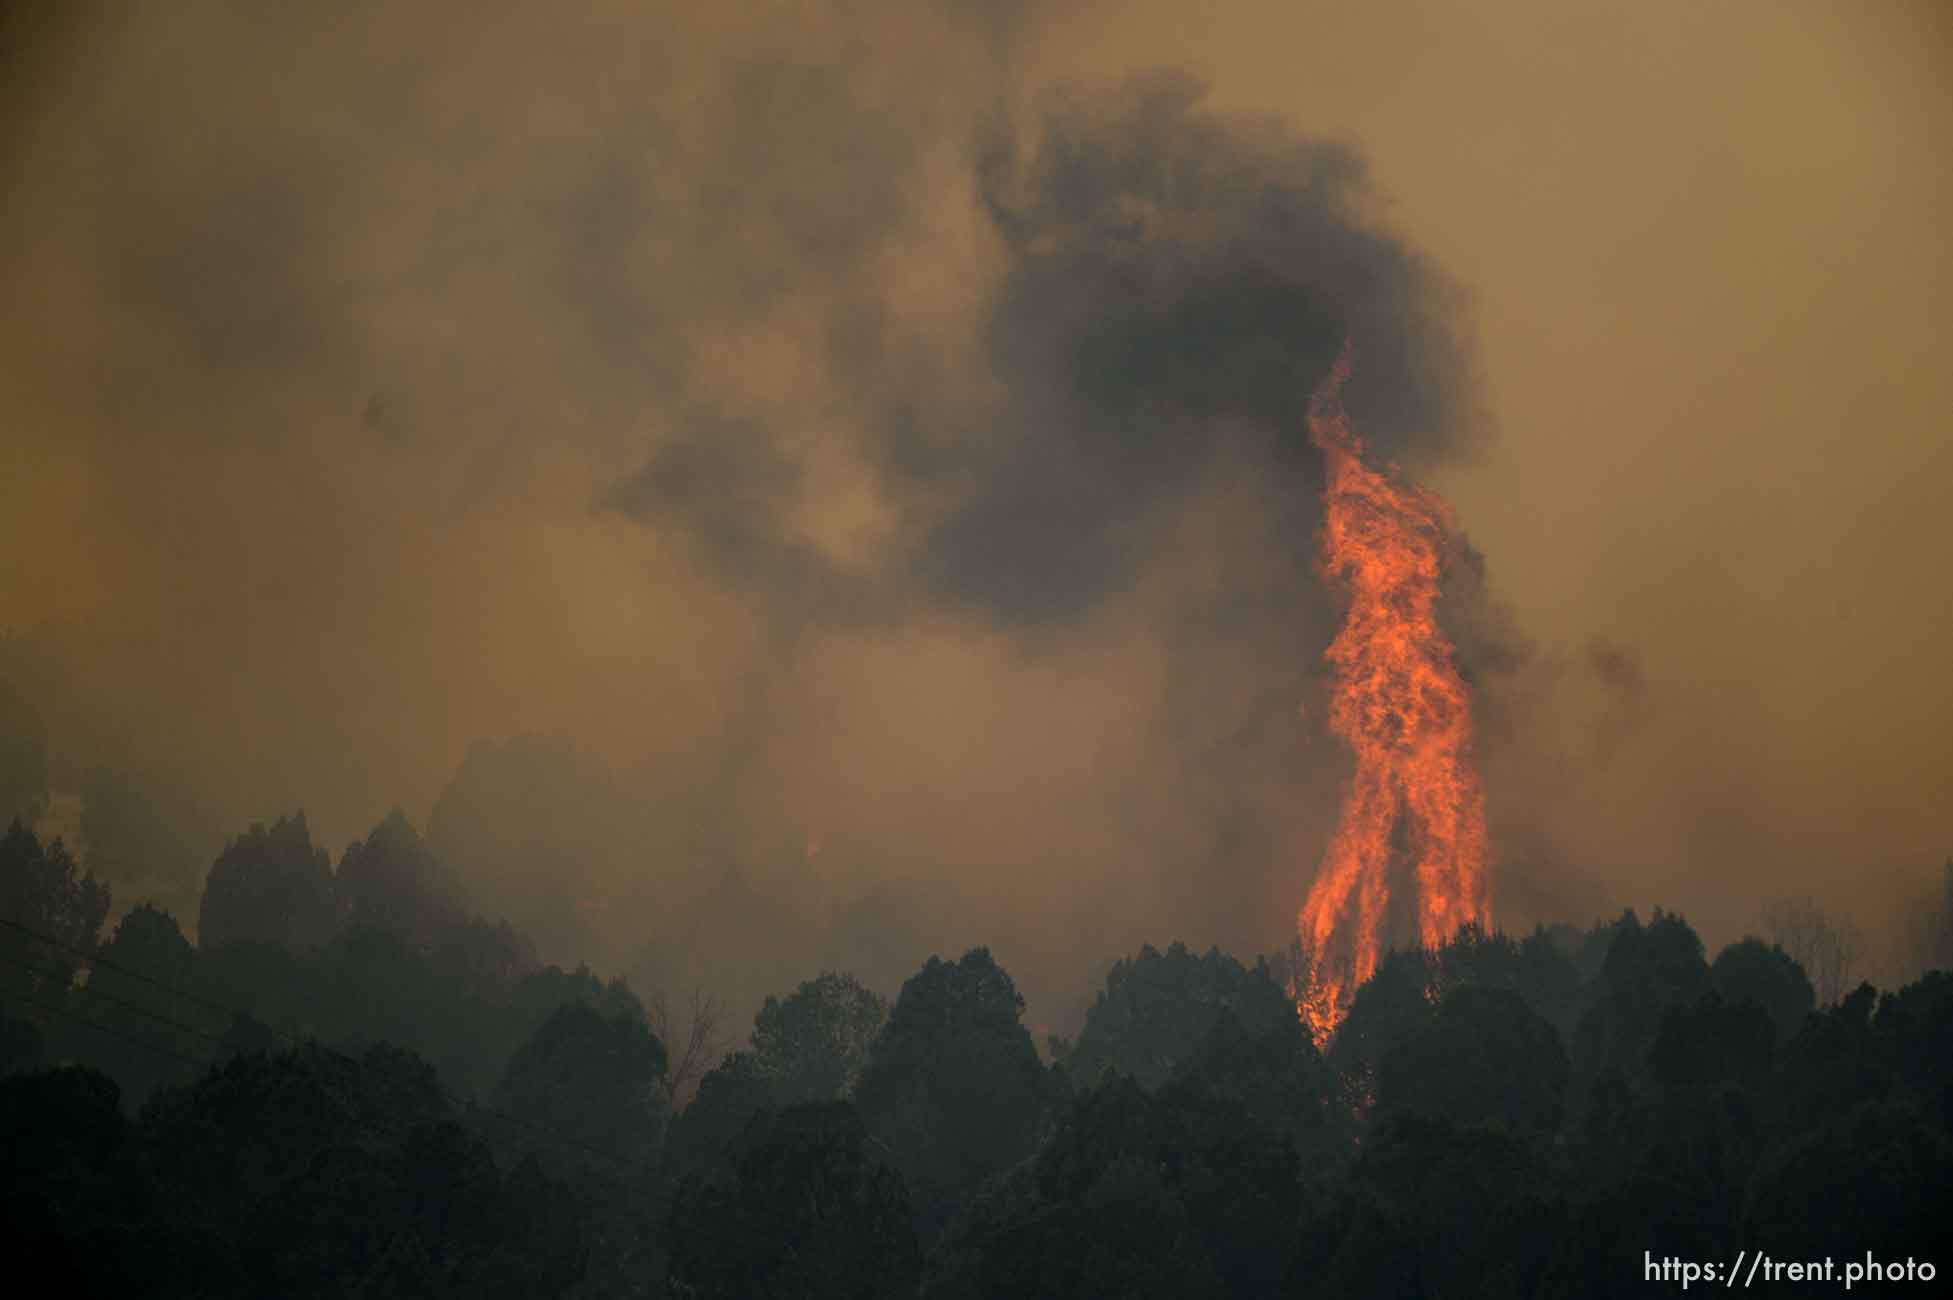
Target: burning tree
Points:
(1405, 712)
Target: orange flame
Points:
(1405, 712)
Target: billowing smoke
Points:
(1165, 287)
(830, 437)
(873, 462)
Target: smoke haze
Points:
(847, 461)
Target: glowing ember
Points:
(1405, 712)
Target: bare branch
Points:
(690, 1046)
(1829, 951)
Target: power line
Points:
(137, 1007)
(464, 1104)
(113, 1033)
(96, 959)
(660, 1200)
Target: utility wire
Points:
(466, 1104)
(92, 992)
(113, 1033)
(660, 1200)
(96, 959)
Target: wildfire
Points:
(1401, 706)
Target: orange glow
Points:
(1400, 704)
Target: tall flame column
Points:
(1414, 808)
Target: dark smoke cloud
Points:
(1110, 453)
(1173, 283)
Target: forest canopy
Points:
(354, 1085)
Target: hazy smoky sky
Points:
(869, 434)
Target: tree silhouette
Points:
(1648, 968)
(953, 1084)
(269, 886)
(1752, 971)
(1879, 1179)
(592, 1078)
(392, 881)
(1156, 1008)
(813, 1045)
(729, 1095)
(806, 1207)
(1443, 1146)
(63, 1198)
(56, 914)
(1484, 1058)
(1464, 1210)
(310, 1173)
(144, 984)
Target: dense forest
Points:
(353, 1086)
